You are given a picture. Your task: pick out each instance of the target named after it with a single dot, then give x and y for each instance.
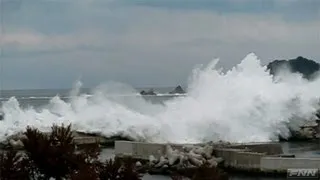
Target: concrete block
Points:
(248, 160)
(236, 158)
(85, 140)
(144, 150)
(240, 158)
(82, 140)
(278, 163)
(123, 148)
(269, 148)
(141, 150)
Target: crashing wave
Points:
(242, 105)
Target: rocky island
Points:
(306, 67)
(309, 70)
(150, 92)
(178, 90)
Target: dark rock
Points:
(149, 92)
(318, 115)
(143, 92)
(297, 136)
(1, 116)
(178, 90)
(287, 155)
(308, 68)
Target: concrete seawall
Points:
(282, 164)
(268, 148)
(89, 140)
(240, 157)
(143, 150)
(80, 139)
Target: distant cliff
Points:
(301, 65)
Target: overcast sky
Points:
(52, 43)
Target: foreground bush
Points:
(51, 155)
(13, 166)
(55, 156)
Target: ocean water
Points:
(243, 104)
(39, 98)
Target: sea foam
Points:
(244, 104)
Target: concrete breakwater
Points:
(258, 157)
(167, 158)
(262, 158)
(80, 139)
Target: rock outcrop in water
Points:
(178, 90)
(308, 131)
(150, 92)
(308, 68)
(303, 134)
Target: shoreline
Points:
(234, 155)
(83, 139)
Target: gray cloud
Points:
(53, 43)
(288, 9)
